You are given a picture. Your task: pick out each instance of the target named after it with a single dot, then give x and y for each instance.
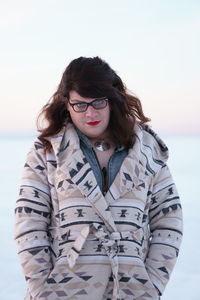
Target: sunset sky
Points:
(153, 45)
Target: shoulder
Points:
(151, 138)
(150, 148)
(36, 155)
(59, 141)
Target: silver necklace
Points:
(102, 145)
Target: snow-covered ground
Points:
(185, 166)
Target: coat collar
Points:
(74, 169)
(144, 159)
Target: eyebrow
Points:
(77, 101)
(81, 101)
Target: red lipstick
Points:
(93, 123)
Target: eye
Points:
(80, 105)
(100, 103)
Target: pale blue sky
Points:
(153, 45)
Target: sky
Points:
(153, 45)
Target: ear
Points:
(67, 106)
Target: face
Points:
(93, 123)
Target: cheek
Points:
(107, 115)
(72, 115)
(75, 118)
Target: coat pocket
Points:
(134, 281)
(79, 282)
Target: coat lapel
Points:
(132, 174)
(74, 169)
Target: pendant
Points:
(102, 145)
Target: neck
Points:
(105, 138)
(102, 144)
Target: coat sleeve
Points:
(165, 227)
(32, 218)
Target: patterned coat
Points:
(75, 243)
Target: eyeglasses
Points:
(99, 103)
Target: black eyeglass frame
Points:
(73, 105)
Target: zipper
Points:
(103, 181)
(108, 169)
(105, 186)
(102, 177)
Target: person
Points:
(98, 215)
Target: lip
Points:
(93, 123)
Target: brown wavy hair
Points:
(92, 77)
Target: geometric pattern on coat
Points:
(74, 241)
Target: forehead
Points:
(74, 96)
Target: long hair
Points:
(92, 77)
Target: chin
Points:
(94, 135)
(94, 132)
